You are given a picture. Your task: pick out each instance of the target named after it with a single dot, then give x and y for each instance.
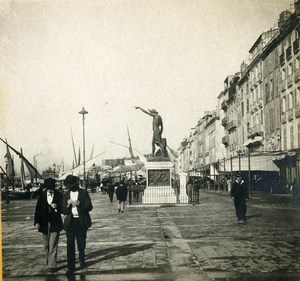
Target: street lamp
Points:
(239, 152)
(83, 112)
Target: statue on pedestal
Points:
(157, 127)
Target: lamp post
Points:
(83, 112)
(239, 152)
(7, 180)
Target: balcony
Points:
(283, 118)
(297, 111)
(225, 140)
(224, 105)
(224, 121)
(296, 75)
(296, 46)
(290, 114)
(231, 125)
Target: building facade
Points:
(255, 127)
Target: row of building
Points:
(255, 127)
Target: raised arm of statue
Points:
(143, 110)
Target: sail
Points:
(30, 167)
(22, 172)
(9, 165)
(130, 146)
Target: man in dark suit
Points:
(239, 193)
(47, 220)
(76, 206)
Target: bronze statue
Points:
(157, 127)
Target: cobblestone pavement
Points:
(168, 243)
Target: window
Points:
(297, 96)
(242, 105)
(283, 104)
(290, 69)
(297, 62)
(247, 105)
(290, 101)
(283, 75)
(271, 119)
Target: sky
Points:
(109, 56)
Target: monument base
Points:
(159, 188)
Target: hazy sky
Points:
(108, 56)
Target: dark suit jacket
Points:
(84, 207)
(45, 214)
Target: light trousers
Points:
(121, 205)
(51, 247)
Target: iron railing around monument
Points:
(181, 195)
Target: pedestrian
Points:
(111, 191)
(48, 221)
(239, 194)
(229, 185)
(121, 193)
(189, 190)
(76, 206)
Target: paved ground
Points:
(170, 243)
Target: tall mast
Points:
(76, 164)
(130, 146)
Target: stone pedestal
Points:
(158, 183)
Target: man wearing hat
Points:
(76, 206)
(157, 127)
(47, 220)
(239, 193)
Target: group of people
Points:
(121, 190)
(75, 204)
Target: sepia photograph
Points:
(147, 140)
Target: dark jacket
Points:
(85, 206)
(239, 191)
(45, 214)
(121, 191)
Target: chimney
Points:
(284, 19)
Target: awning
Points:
(252, 141)
(257, 163)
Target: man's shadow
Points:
(110, 253)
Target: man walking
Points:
(239, 194)
(76, 206)
(121, 193)
(47, 220)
